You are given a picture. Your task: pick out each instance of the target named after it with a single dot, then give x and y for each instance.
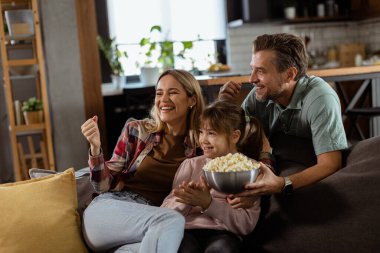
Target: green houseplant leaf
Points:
(165, 48)
(112, 53)
(32, 104)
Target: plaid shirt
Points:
(132, 146)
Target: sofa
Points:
(339, 214)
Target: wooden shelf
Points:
(22, 77)
(15, 4)
(19, 46)
(9, 38)
(31, 144)
(29, 129)
(299, 20)
(22, 62)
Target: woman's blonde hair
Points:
(192, 88)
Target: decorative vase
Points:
(34, 117)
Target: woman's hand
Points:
(90, 131)
(194, 194)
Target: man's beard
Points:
(268, 97)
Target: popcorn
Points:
(231, 163)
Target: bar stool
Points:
(354, 107)
(354, 113)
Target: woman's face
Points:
(216, 144)
(172, 103)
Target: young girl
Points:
(214, 220)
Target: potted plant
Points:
(32, 110)
(113, 55)
(158, 54)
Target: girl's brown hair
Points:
(225, 117)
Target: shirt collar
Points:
(296, 100)
(301, 86)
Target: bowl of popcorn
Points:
(230, 173)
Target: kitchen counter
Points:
(337, 74)
(108, 89)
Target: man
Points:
(301, 115)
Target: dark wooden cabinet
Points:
(365, 8)
(135, 102)
(254, 10)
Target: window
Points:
(200, 21)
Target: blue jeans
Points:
(115, 219)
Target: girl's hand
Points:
(90, 131)
(241, 202)
(194, 194)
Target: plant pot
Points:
(118, 81)
(34, 117)
(149, 75)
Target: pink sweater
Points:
(220, 215)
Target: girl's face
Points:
(216, 144)
(172, 102)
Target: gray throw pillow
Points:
(82, 179)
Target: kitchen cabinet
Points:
(23, 62)
(134, 100)
(273, 10)
(365, 8)
(254, 10)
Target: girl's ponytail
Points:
(251, 141)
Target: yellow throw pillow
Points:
(39, 215)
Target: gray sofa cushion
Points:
(338, 214)
(82, 179)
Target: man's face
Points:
(269, 82)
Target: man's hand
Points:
(194, 194)
(266, 183)
(229, 91)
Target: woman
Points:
(139, 175)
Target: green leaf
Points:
(112, 53)
(187, 44)
(155, 27)
(32, 104)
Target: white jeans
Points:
(115, 219)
